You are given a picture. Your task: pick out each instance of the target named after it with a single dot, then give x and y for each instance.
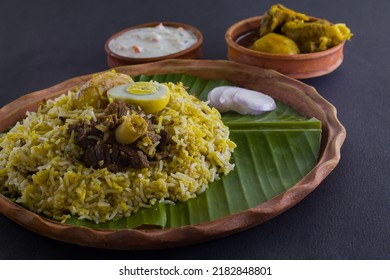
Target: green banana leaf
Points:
(274, 151)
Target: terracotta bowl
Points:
(241, 35)
(299, 96)
(193, 52)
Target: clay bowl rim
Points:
(135, 60)
(231, 41)
(303, 98)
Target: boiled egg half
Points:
(151, 96)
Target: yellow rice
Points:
(38, 167)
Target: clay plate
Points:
(299, 96)
(240, 36)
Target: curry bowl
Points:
(241, 35)
(117, 58)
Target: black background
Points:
(43, 43)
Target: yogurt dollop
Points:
(155, 41)
(240, 100)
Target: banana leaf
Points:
(274, 151)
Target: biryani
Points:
(95, 155)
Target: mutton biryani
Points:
(112, 147)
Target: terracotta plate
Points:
(298, 95)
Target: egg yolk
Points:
(142, 88)
(152, 97)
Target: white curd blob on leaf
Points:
(226, 98)
(240, 100)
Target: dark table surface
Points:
(43, 43)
